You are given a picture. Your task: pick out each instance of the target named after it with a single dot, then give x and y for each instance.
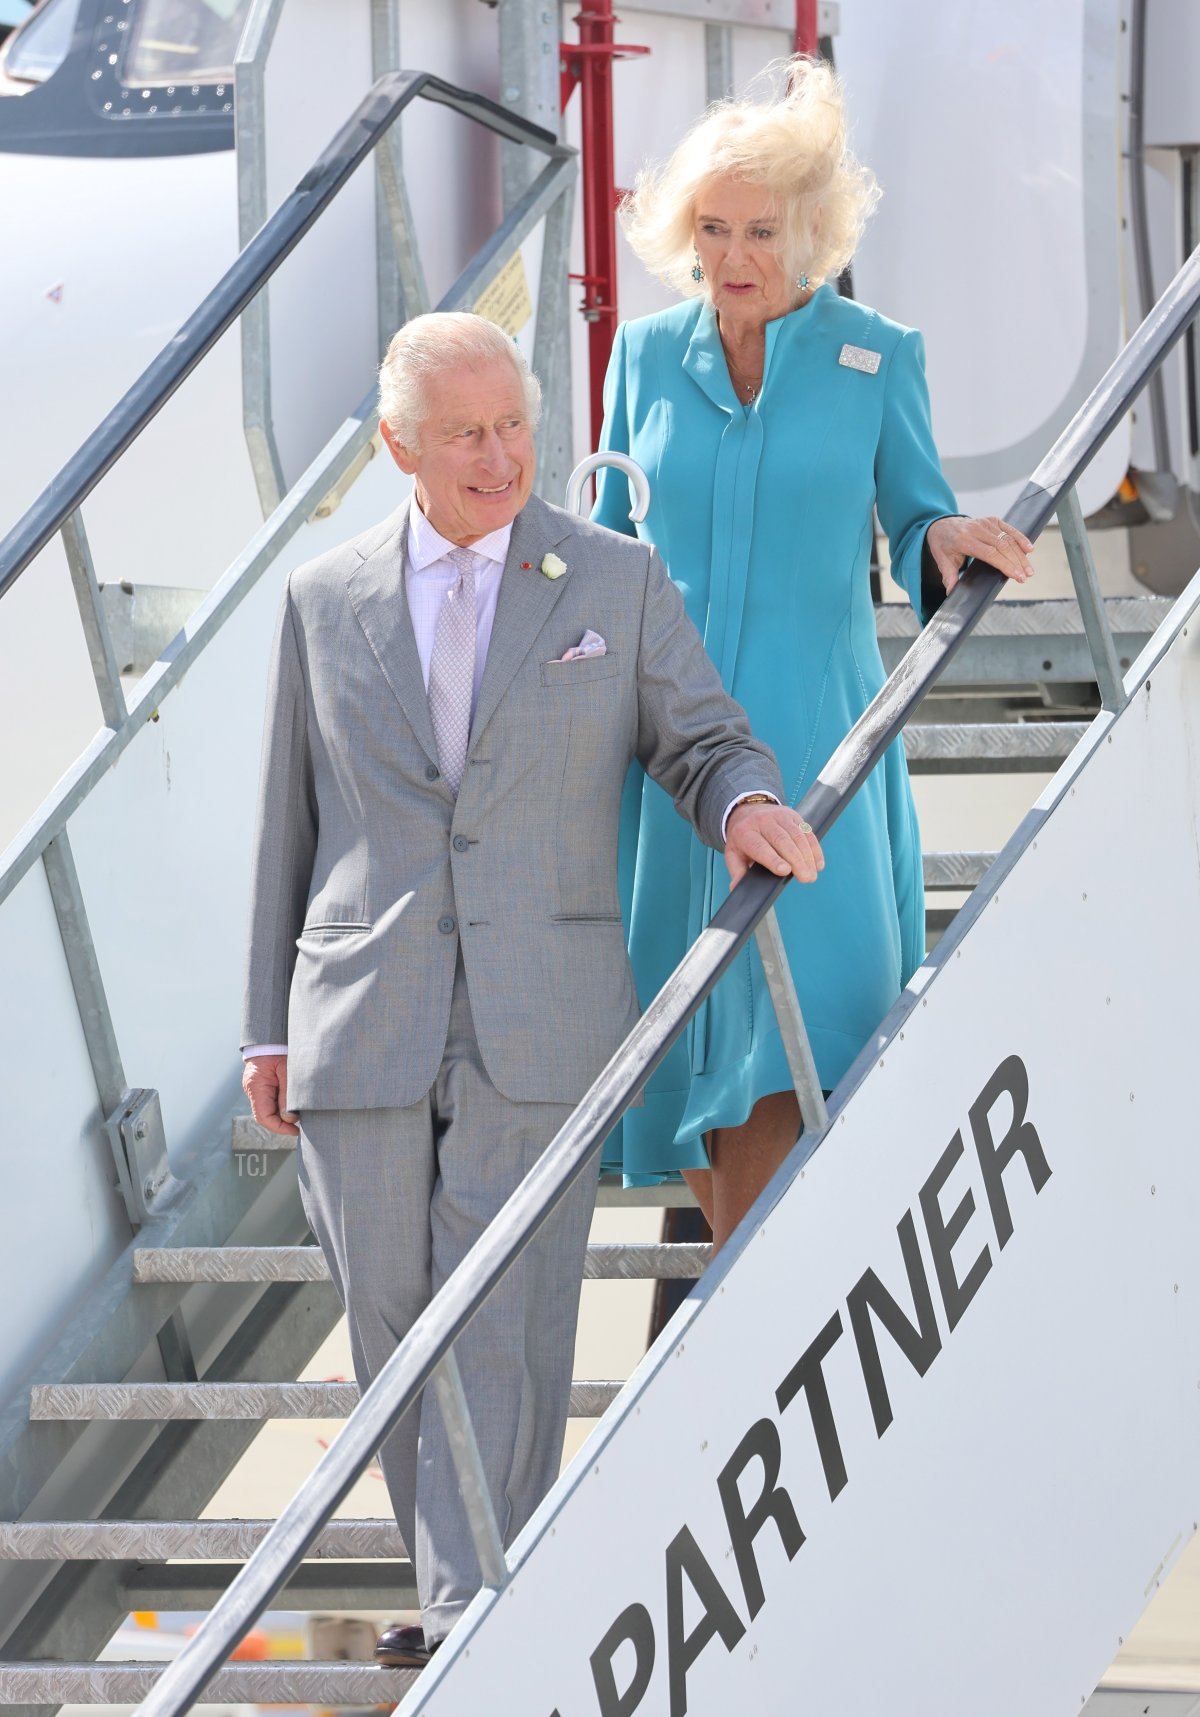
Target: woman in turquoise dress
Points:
(771, 417)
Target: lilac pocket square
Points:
(591, 644)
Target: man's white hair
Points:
(434, 342)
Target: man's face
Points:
(475, 464)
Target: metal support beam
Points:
(814, 1116)
(325, 1586)
(718, 61)
(529, 84)
(1091, 602)
(95, 626)
(84, 967)
(401, 289)
(1157, 489)
(552, 351)
(472, 1480)
(250, 131)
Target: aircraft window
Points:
(40, 46)
(184, 40)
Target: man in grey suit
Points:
(436, 968)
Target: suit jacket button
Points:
(461, 843)
(446, 925)
(432, 772)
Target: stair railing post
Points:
(814, 1115)
(250, 135)
(1091, 603)
(132, 1117)
(468, 1464)
(95, 626)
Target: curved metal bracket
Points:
(641, 483)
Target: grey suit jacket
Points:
(367, 873)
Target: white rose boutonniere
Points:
(552, 566)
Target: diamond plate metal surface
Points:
(69, 1401)
(956, 870)
(323, 1684)
(1056, 618)
(230, 1264)
(632, 1262)
(161, 1540)
(992, 742)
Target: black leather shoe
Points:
(404, 1648)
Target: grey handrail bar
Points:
(569, 1152)
(271, 245)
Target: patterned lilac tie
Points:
(452, 670)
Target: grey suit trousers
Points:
(396, 1198)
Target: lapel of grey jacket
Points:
(377, 594)
(523, 605)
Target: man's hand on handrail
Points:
(773, 836)
(264, 1080)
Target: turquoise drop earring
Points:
(802, 283)
(697, 271)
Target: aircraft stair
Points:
(789, 1499)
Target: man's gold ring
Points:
(805, 828)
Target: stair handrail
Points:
(370, 121)
(430, 1341)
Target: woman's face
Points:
(736, 234)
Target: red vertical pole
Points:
(806, 39)
(596, 21)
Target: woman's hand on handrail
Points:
(993, 541)
(773, 836)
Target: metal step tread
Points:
(1049, 617)
(643, 1261)
(991, 741)
(208, 1540)
(151, 1401)
(956, 870)
(278, 1683)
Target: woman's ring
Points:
(1002, 537)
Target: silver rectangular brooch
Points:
(860, 358)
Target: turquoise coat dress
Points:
(763, 516)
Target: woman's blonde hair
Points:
(794, 146)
